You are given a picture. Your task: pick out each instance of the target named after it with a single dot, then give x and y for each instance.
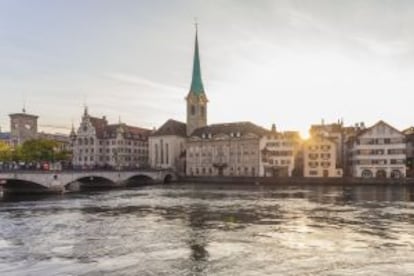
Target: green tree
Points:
(5, 152)
(38, 150)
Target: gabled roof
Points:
(230, 128)
(99, 124)
(363, 131)
(172, 127)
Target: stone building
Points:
(278, 151)
(320, 157)
(378, 151)
(23, 127)
(99, 144)
(167, 146)
(229, 149)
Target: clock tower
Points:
(23, 127)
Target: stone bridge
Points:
(61, 181)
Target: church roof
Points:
(197, 87)
(230, 128)
(172, 127)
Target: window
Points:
(192, 110)
(313, 172)
(162, 151)
(166, 154)
(313, 156)
(202, 111)
(313, 164)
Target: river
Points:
(196, 229)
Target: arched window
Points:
(91, 140)
(366, 174)
(396, 174)
(192, 110)
(203, 111)
(86, 141)
(381, 174)
(80, 141)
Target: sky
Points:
(292, 63)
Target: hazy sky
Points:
(288, 62)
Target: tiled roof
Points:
(361, 132)
(105, 131)
(230, 128)
(129, 132)
(172, 127)
(99, 124)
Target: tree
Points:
(5, 152)
(38, 150)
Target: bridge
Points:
(62, 181)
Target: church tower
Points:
(196, 98)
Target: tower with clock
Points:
(23, 127)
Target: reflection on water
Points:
(211, 230)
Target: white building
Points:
(99, 144)
(167, 146)
(378, 151)
(229, 149)
(277, 153)
(320, 158)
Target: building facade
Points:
(378, 151)
(230, 149)
(167, 146)
(97, 144)
(320, 158)
(278, 151)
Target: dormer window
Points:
(238, 134)
(203, 136)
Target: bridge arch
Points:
(168, 178)
(91, 182)
(139, 179)
(24, 186)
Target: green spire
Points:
(196, 82)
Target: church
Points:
(195, 148)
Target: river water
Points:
(211, 230)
